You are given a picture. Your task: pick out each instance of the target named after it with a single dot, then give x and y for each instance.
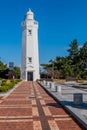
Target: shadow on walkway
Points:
(53, 105)
(70, 103)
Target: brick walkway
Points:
(29, 107)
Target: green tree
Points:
(63, 65)
(74, 57)
(2, 66)
(73, 51)
(83, 61)
(17, 72)
(83, 53)
(74, 65)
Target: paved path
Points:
(29, 107)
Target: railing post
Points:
(44, 82)
(52, 85)
(77, 98)
(48, 84)
(59, 89)
(56, 88)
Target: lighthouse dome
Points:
(30, 15)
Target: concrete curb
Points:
(4, 95)
(79, 119)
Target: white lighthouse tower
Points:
(30, 57)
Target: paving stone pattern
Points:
(29, 107)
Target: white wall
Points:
(30, 47)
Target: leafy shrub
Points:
(3, 82)
(6, 86)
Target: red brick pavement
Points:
(29, 107)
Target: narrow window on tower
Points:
(30, 59)
(30, 32)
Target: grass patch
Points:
(5, 85)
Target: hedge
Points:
(6, 86)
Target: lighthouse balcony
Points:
(35, 22)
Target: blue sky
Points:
(60, 22)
